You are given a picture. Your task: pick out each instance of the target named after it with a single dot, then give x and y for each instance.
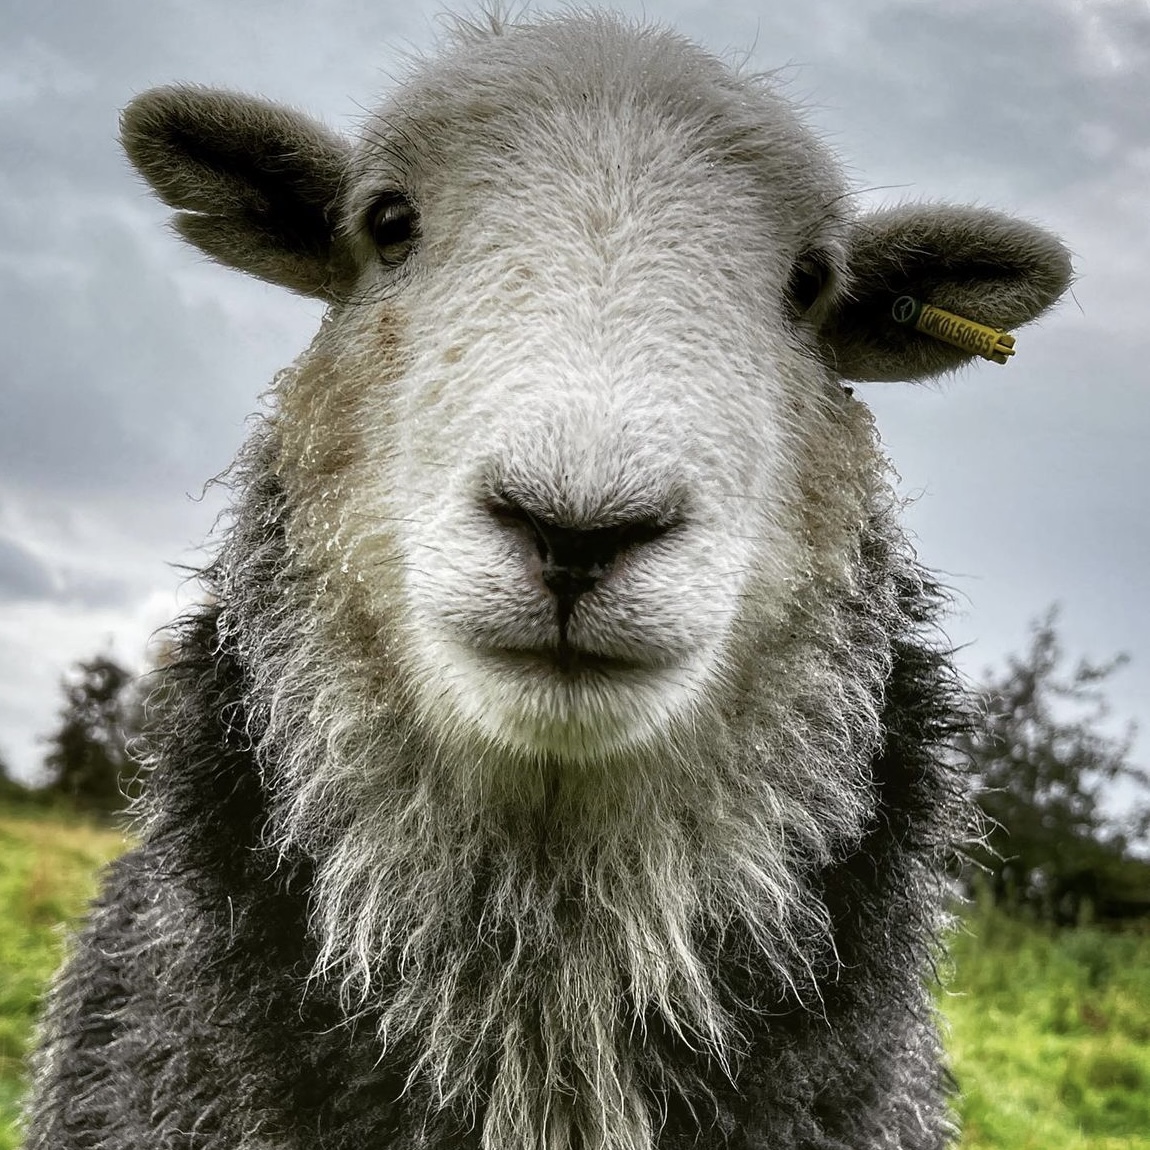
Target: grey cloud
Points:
(301, 52)
(107, 383)
(1044, 93)
(22, 575)
(85, 589)
(25, 578)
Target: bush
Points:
(1043, 759)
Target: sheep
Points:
(559, 759)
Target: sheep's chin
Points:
(591, 707)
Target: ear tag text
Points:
(989, 342)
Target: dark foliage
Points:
(11, 789)
(1045, 763)
(88, 762)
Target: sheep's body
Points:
(196, 959)
(561, 761)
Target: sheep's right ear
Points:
(977, 264)
(255, 183)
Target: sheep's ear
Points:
(254, 183)
(978, 264)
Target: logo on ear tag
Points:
(906, 309)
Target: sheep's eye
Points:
(808, 278)
(394, 227)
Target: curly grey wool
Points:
(559, 760)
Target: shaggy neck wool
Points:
(519, 924)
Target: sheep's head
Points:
(573, 437)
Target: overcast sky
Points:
(129, 363)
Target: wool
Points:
(560, 758)
(236, 900)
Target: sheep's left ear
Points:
(978, 264)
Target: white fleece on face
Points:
(595, 315)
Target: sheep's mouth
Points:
(590, 702)
(568, 660)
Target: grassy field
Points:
(48, 866)
(1050, 1034)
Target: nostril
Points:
(576, 557)
(594, 549)
(510, 513)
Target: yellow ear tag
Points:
(989, 342)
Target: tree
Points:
(1044, 762)
(88, 762)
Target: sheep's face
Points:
(578, 376)
(570, 462)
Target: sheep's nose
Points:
(575, 558)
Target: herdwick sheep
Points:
(559, 760)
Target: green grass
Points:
(48, 865)
(1050, 1032)
(1050, 1036)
